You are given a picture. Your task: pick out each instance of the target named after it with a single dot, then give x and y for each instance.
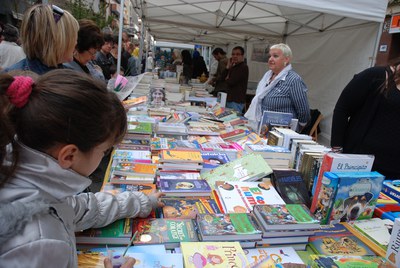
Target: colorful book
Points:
(250, 167)
(188, 208)
(281, 255)
(392, 253)
(356, 195)
(336, 239)
(228, 227)
(214, 159)
(137, 156)
(240, 197)
(116, 233)
(376, 229)
(126, 168)
(270, 119)
(269, 151)
(285, 217)
(321, 261)
(213, 254)
(184, 187)
(335, 162)
(183, 156)
(140, 127)
(130, 179)
(384, 199)
(146, 188)
(179, 175)
(392, 189)
(387, 211)
(169, 232)
(291, 187)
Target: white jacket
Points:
(40, 209)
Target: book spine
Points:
(391, 192)
(325, 166)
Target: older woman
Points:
(90, 40)
(48, 36)
(280, 90)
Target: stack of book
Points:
(171, 128)
(277, 157)
(290, 225)
(184, 188)
(180, 160)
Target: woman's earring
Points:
(284, 64)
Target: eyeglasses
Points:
(92, 53)
(57, 13)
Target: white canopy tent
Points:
(331, 39)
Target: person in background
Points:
(199, 65)
(90, 40)
(219, 82)
(132, 62)
(176, 59)
(10, 51)
(237, 76)
(280, 90)
(54, 133)
(48, 35)
(104, 58)
(150, 62)
(365, 116)
(187, 63)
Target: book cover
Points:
(279, 255)
(291, 187)
(392, 253)
(392, 189)
(184, 187)
(132, 155)
(169, 232)
(131, 179)
(271, 118)
(321, 261)
(242, 196)
(116, 233)
(228, 227)
(376, 229)
(285, 217)
(188, 208)
(140, 127)
(247, 168)
(326, 197)
(356, 195)
(146, 188)
(181, 156)
(336, 239)
(269, 151)
(213, 254)
(214, 159)
(384, 199)
(335, 162)
(387, 211)
(179, 175)
(123, 167)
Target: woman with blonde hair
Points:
(49, 35)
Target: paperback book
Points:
(278, 255)
(214, 159)
(184, 187)
(188, 208)
(321, 261)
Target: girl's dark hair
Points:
(393, 76)
(65, 107)
(89, 36)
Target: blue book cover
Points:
(326, 196)
(184, 187)
(270, 118)
(213, 160)
(356, 196)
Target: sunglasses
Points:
(57, 13)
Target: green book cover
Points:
(322, 261)
(140, 127)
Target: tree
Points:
(80, 10)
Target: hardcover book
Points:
(285, 217)
(184, 187)
(228, 227)
(270, 119)
(291, 187)
(188, 208)
(321, 261)
(250, 167)
(242, 196)
(392, 189)
(336, 239)
(213, 254)
(169, 232)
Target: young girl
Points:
(54, 132)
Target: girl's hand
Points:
(158, 195)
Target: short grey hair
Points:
(287, 52)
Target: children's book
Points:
(140, 127)
(228, 227)
(336, 239)
(126, 168)
(214, 159)
(384, 199)
(250, 167)
(116, 233)
(179, 175)
(213, 254)
(184, 187)
(169, 232)
(392, 189)
(242, 196)
(291, 187)
(142, 260)
(376, 229)
(115, 189)
(335, 162)
(279, 255)
(285, 217)
(356, 195)
(270, 119)
(130, 179)
(182, 156)
(188, 208)
(321, 261)
(133, 155)
(392, 253)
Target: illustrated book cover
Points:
(188, 208)
(214, 159)
(228, 227)
(241, 197)
(321, 261)
(277, 255)
(172, 187)
(213, 255)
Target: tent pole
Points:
(121, 25)
(376, 47)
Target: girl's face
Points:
(157, 96)
(86, 163)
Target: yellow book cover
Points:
(181, 156)
(213, 254)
